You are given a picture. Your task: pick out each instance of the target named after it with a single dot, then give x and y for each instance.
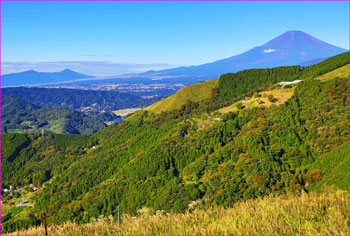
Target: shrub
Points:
(313, 176)
(271, 98)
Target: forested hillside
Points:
(75, 99)
(63, 110)
(232, 85)
(169, 160)
(18, 116)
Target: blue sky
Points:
(138, 36)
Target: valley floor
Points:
(308, 214)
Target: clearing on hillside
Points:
(280, 95)
(125, 112)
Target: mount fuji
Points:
(290, 48)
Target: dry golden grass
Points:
(38, 191)
(308, 214)
(195, 93)
(230, 108)
(342, 72)
(124, 112)
(281, 95)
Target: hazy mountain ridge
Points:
(31, 77)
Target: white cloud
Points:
(95, 68)
(269, 50)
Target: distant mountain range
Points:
(31, 77)
(290, 48)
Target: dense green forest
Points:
(18, 116)
(166, 161)
(232, 85)
(76, 99)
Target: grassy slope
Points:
(342, 72)
(308, 214)
(195, 93)
(335, 166)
